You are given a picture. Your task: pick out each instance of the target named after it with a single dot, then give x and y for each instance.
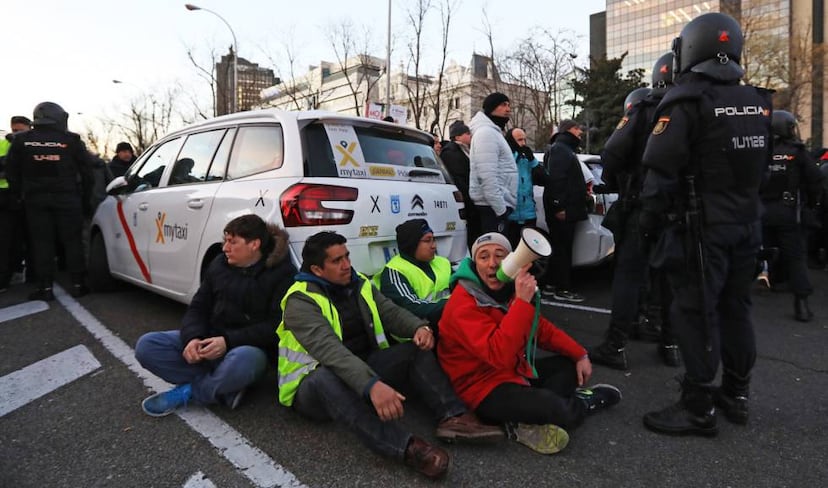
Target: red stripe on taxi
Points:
(132, 247)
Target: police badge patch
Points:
(661, 125)
(622, 123)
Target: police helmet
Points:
(784, 125)
(710, 44)
(663, 74)
(634, 97)
(50, 113)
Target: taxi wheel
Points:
(99, 277)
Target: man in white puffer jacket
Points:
(493, 178)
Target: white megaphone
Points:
(533, 245)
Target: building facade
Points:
(251, 80)
(784, 45)
(358, 86)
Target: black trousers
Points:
(490, 222)
(50, 217)
(790, 239)
(549, 399)
(730, 252)
(559, 265)
(629, 280)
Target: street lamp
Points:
(234, 105)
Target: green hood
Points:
(464, 272)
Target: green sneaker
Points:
(545, 439)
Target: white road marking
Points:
(22, 310)
(43, 377)
(198, 480)
(253, 463)
(584, 308)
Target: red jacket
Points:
(482, 346)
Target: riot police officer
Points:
(621, 159)
(706, 157)
(51, 169)
(790, 192)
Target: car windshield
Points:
(337, 149)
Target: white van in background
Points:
(162, 222)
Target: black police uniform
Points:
(719, 133)
(621, 159)
(793, 185)
(51, 169)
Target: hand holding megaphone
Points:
(533, 245)
(525, 284)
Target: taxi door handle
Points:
(143, 206)
(195, 203)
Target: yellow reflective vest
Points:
(294, 361)
(4, 149)
(423, 286)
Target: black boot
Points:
(692, 415)
(802, 312)
(611, 352)
(732, 397)
(44, 293)
(670, 355)
(647, 329)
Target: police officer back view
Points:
(706, 157)
(793, 186)
(50, 168)
(622, 162)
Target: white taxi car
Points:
(162, 222)
(593, 243)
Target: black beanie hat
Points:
(20, 119)
(458, 128)
(124, 146)
(492, 101)
(409, 234)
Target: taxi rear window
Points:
(348, 151)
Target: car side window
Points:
(219, 165)
(256, 149)
(195, 157)
(149, 176)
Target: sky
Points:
(69, 52)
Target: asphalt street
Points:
(88, 430)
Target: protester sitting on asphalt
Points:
(417, 278)
(336, 363)
(226, 339)
(487, 348)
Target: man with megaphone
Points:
(489, 333)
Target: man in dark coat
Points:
(124, 157)
(455, 156)
(227, 335)
(564, 201)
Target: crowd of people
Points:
(704, 184)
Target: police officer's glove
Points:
(650, 225)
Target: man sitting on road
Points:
(486, 348)
(417, 278)
(226, 340)
(336, 363)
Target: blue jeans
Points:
(161, 354)
(404, 367)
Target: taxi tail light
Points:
(458, 197)
(305, 204)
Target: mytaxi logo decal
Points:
(159, 224)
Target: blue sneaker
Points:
(598, 397)
(165, 403)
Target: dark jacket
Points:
(242, 304)
(565, 186)
(794, 183)
(45, 161)
(457, 163)
(118, 167)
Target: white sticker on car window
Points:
(350, 163)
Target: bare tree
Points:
(416, 84)
(148, 117)
(446, 9)
(347, 47)
(303, 93)
(206, 73)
